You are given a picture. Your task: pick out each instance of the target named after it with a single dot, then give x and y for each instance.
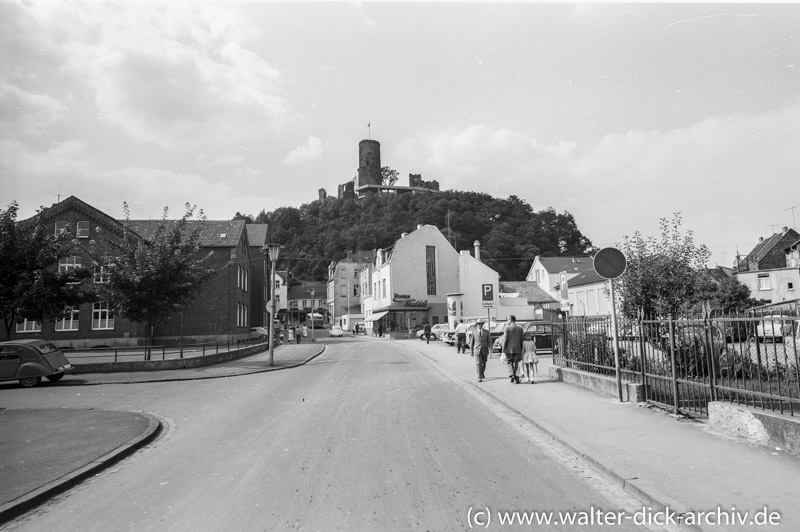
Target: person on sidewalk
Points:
(305, 332)
(484, 339)
(461, 337)
(529, 356)
(512, 347)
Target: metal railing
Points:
(686, 363)
(156, 352)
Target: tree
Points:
(389, 176)
(31, 287)
(147, 280)
(729, 296)
(662, 276)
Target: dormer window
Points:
(61, 226)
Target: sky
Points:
(620, 114)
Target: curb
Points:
(206, 377)
(640, 489)
(35, 498)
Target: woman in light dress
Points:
(529, 357)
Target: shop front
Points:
(401, 320)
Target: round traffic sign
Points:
(609, 263)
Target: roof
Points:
(568, 264)
(584, 278)
(73, 203)
(213, 233)
(302, 291)
(763, 248)
(527, 289)
(257, 234)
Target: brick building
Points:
(222, 308)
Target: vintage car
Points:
(29, 360)
(336, 331)
(438, 331)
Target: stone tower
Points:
(369, 163)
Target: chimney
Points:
(785, 229)
(477, 245)
(419, 226)
(403, 235)
(760, 239)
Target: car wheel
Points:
(56, 377)
(30, 382)
(433, 336)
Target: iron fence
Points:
(684, 364)
(104, 354)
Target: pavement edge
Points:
(27, 502)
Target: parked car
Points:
(260, 332)
(336, 331)
(773, 330)
(29, 360)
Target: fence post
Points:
(115, 354)
(675, 398)
(709, 348)
(642, 355)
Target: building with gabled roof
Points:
(221, 309)
(545, 271)
(772, 270)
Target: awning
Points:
(377, 316)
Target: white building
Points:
(344, 289)
(545, 271)
(422, 279)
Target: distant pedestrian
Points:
(461, 337)
(290, 332)
(530, 360)
(482, 355)
(512, 347)
(305, 332)
(427, 332)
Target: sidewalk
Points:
(666, 460)
(91, 440)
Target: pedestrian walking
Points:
(461, 337)
(512, 347)
(291, 334)
(530, 360)
(305, 332)
(482, 344)
(427, 332)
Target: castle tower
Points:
(369, 163)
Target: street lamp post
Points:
(311, 291)
(273, 250)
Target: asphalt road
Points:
(368, 436)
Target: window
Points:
(83, 230)
(29, 326)
(384, 288)
(293, 304)
(344, 291)
(304, 303)
(355, 274)
(61, 226)
(355, 290)
(70, 320)
(430, 269)
(277, 298)
(763, 282)
(790, 286)
(101, 275)
(68, 264)
(102, 317)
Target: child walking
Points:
(529, 357)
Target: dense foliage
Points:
(511, 233)
(31, 287)
(663, 276)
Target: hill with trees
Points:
(511, 233)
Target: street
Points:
(368, 436)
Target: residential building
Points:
(588, 295)
(221, 308)
(545, 271)
(772, 269)
(525, 300)
(344, 288)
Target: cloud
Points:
(25, 113)
(309, 152)
(175, 75)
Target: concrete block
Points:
(599, 383)
(756, 426)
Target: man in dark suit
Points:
(512, 347)
(483, 341)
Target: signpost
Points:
(610, 263)
(563, 286)
(487, 301)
